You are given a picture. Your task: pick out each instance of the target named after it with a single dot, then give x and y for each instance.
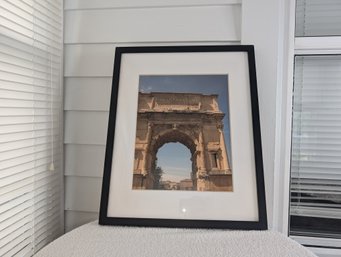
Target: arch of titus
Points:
(188, 118)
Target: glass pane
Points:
(318, 18)
(315, 205)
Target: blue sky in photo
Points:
(174, 158)
(175, 161)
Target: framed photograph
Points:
(184, 143)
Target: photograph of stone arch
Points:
(182, 134)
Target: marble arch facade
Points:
(193, 120)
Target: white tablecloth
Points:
(95, 240)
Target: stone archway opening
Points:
(173, 167)
(174, 135)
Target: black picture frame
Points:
(135, 220)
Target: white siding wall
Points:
(92, 31)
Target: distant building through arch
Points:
(191, 119)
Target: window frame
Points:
(295, 46)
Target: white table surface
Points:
(95, 240)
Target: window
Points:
(315, 190)
(318, 18)
(31, 193)
(137, 160)
(214, 160)
(316, 147)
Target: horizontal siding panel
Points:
(90, 4)
(86, 127)
(96, 60)
(84, 160)
(87, 94)
(82, 193)
(93, 29)
(75, 219)
(89, 60)
(178, 24)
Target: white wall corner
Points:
(284, 117)
(264, 26)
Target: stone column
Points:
(202, 171)
(225, 163)
(146, 153)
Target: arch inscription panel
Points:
(191, 119)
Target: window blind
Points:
(318, 18)
(31, 211)
(315, 206)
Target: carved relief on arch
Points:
(181, 135)
(200, 130)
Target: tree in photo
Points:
(157, 174)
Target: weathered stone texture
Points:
(193, 120)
